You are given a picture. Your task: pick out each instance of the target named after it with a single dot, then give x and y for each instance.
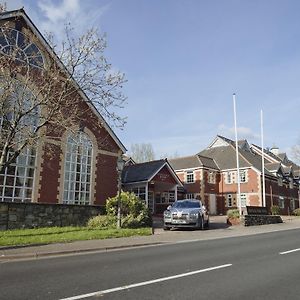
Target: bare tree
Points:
(296, 153)
(43, 93)
(142, 152)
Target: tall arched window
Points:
(18, 120)
(78, 169)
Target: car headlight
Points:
(167, 214)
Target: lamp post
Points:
(120, 167)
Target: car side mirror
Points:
(169, 207)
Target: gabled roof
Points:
(144, 172)
(193, 161)
(208, 162)
(20, 13)
(222, 150)
(186, 162)
(273, 167)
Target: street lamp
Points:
(120, 167)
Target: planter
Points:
(233, 221)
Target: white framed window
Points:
(243, 200)
(229, 177)
(243, 176)
(292, 204)
(229, 200)
(281, 202)
(190, 177)
(78, 169)
(190, 196)
(211, 177)
(140, 192)
(16, 180)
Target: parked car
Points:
(186, 213)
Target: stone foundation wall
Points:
(31, 215)
(250, 220)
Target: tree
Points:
(142, 152)
(296, 153)
(43, 93)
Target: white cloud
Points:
(52, 16)
(242, 132)
(55, 13)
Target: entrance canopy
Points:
(155, 182)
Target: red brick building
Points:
(211, 175)
(82, 166)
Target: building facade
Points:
(76, 166)
(211, 175)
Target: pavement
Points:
(218, 229)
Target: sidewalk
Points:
(218, 229)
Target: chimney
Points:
(275, 150)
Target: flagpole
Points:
(263, 159)
(237, 159)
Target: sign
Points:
(257, 210)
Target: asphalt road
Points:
(251, 267)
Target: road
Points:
(264, 266)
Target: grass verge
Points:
(63, 235)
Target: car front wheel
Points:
(201, 223)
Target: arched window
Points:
(18, 120)
(16, 180)
(78, 169)
(17, 44)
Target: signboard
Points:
(257, 210)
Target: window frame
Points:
(78, 169)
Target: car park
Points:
(186, 213)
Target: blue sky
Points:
(184, 59)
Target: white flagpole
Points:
(237, 159)
(263, 160)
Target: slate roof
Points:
(145, 171)
(193, 161)
(225, 157)
(208, 162)
(187, 162)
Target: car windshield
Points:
(186, 204)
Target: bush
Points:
(102, 221)
(275, 210)
(134, 212)
(296, 212)
(233, 213)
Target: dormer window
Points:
(14, 43)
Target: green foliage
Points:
(296, 212)
(275, 210)
(134, 212)
(233, 213)
(102, 221)
(63, 235)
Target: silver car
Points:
(186, 213)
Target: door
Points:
(212, 205)
(151, 202)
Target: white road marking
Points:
(125, 287)
(290, 251)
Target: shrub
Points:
(275, 210)
(134, 212)
(296, 212)
(102, 221)
(233, 213)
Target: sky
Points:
(184, 59)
